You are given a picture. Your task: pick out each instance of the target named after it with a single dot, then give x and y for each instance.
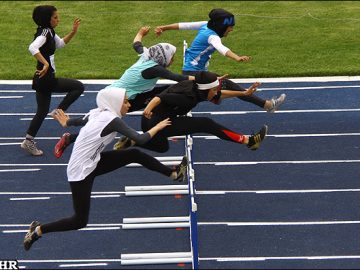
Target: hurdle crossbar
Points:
(157, 225)
(156, 219)
(159, 187)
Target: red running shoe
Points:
(61, 145)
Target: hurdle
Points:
(189, 221)
(156, 223)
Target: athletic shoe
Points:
(181, 170)
(276, 102)
(31, 236)
(61, 145)
(122, 143)
(30, 147)
(256, 139)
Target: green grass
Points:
(284, 38)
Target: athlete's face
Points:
(212, 93)
(54, 21)
(171, 61)
(228, 30)
(125, 107)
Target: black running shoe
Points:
(31, 236)
(181, 170)
(256, 139)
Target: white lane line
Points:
(281, 223)
(240, 163)
(29, 198)
(280, 111)
(83, 265)
(70, 261)
(349, 87)
(279, 79)
(10, 97)
(106, 196)
(243, 259)
(223, 192)
(219, 259)
(209, 137)
(211, 112)
(22, 170)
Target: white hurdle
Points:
(164, 222)
(156, 223)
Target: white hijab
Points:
(110, 99)
(161, 53)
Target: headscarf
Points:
(161, 53)
(42, 15)
(110, 99)
(219, 21)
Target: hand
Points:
(158, 31)
(163, 124)
(252, 89)
(42, 72)
(147, 113)
(144, 30)
(61, 117)
(244, 58)
(223, 77)
(76, 25)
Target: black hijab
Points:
(42, 15)
(219, 21)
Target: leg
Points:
(112, 160)
(81, 194)
(43, 102)
(74, 88)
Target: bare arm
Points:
(141, 33)
(69, 36)
(248, 92)
(151, 105)
(159, 29)
(236, 57)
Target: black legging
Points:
(74, 88)
(183, 125)
(230, 85)
(81, 190)
(138, 103)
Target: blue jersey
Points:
(199, 53)
(133, 81)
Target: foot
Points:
(256, 139)
(122, 143)
(30, 147)
(181, 170)
(61, 145)
(276, 102)
(31, 236)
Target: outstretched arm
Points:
(179, 26)
(248, 92)
(69, 36)
(65, 121)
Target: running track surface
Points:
(292, 204)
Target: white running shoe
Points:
(276, 102)
(30, 147)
